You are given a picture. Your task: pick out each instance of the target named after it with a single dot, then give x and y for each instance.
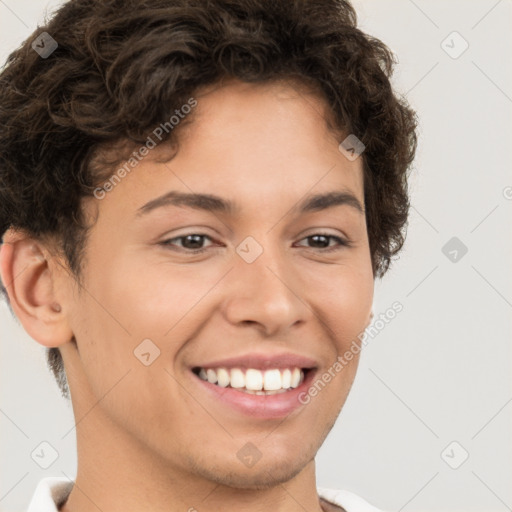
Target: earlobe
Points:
(28, 279)
(370, 318)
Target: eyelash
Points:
(341, 241)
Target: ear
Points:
(30, 281)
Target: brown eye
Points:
(322, 241)
(192, 242)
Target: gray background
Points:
(441, 370)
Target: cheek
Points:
(342, 296)
(343, 303)
(137, 299)
(160, 300)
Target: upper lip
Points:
(262, 361)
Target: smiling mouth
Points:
(253, 381)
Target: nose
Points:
(266, 295)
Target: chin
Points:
(265, 477)
(276, 466)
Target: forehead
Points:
(256, 143)
(268, 114)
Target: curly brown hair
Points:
(122, 65)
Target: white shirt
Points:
(52, 492)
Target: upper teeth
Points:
(252, 379)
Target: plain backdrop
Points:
(434, 385)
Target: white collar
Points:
(51, 492)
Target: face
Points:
(259, 283)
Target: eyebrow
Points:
(212, 203)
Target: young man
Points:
(195, 200)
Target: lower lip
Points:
(258, 406)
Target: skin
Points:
(147, 439)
